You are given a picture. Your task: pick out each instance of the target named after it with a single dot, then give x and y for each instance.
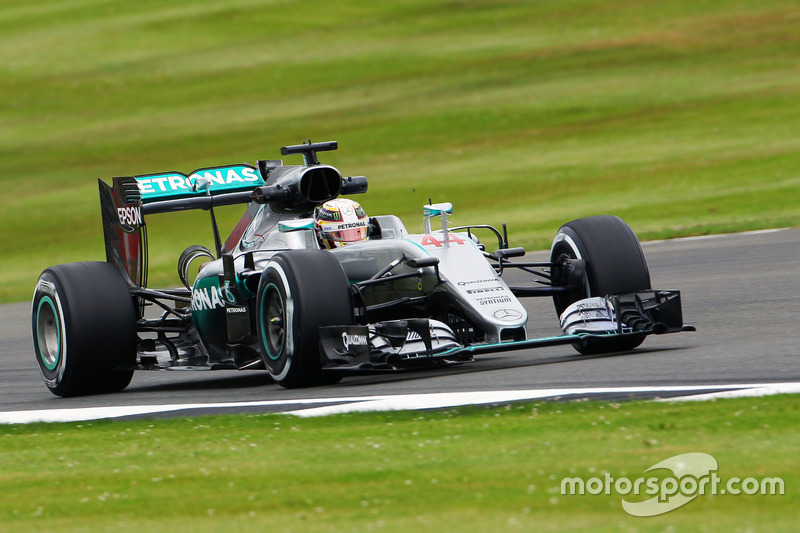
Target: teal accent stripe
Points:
(264, 331)
(54, 364)
(515, 345)
(533, 343)
(418, 245)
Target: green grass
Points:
(467, 469)
(680, 116)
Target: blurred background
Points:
(680, 116)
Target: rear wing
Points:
(125, 202)
(219, 180)
(202, 189)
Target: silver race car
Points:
(310, 288)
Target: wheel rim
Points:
(48, 333)
(563, 300)
(273, 326)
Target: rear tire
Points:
(84, 329)
(615, 264)
(299, 292)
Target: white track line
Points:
(765, 390)
(455, 399)
(400, 401)
(715, 236)
(96, 413)
(695, 237)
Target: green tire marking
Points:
(263, 323)
(54, 364)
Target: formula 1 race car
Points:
(276, 295)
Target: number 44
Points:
(430, 240)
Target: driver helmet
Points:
(341, 221)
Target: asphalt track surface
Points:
(741, 292)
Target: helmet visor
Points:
(344, 235)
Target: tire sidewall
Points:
(568, 243)
(315, 292)
(47, 293)
(614, 262)
(276, 275)
(601, 278)
(95, 319)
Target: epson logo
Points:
(130, 217)
(354, 340)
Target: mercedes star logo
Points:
(507, 314)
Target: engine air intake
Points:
(320, 184)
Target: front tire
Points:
(299, 292)
(84, 329)
(615, 264)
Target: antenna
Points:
(310, 150)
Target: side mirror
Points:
(505, 253)
(423, 262)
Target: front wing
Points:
(401, 344)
